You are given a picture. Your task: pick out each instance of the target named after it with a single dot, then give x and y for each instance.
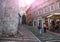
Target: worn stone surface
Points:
(8, 16)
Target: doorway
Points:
(40, 23)
(23, 19)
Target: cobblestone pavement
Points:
(28, 36)
(44, 37)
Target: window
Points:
(39, 11)
(45, 10)
(51, 7)
(59, 5)
(34, 23)
(35, 13)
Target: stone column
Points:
(48, 22)
(33, 23)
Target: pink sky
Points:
(23, 3)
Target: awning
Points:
(54, 16)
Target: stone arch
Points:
(23, 19)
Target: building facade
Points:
(45, 12)
(28, 17)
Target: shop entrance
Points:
(40, 23)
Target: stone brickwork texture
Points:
(9, 16)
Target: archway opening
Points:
(23, 19)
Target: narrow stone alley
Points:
(28, 36)
(29, 20)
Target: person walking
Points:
(39, 29)
(44, 28)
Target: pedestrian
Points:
(39, 29)
(44, 28)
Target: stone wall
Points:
(9, 16)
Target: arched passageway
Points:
(23, 19)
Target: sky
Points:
(23, 3)
(29, 1)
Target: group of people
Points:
(40, 29)
(55, 25)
